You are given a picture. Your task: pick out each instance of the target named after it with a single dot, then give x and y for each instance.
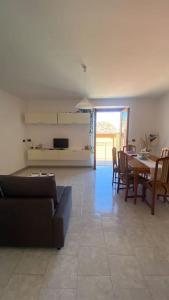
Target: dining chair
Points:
(122, 169)
(115, 166)
(126, 176)
(159, 186)
(131, 148)
(164, 152)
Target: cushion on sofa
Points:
(17, 186)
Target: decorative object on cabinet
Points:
(148, 142)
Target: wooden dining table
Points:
(138, 167)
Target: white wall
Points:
(11, 133)
(164, 121)
(144, 115)
(43, 134)
(142, 120)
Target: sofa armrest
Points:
(62, 216)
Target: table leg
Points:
(135, 187)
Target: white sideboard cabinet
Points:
(58, 155)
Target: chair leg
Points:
(144, 193)
(165, 199)
(118, 185)
(114, 178)
(135, 187)
(127, 191)
(153, 204)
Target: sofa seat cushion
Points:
(27, 187)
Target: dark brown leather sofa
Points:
(33, 211)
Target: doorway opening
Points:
(107, 136)
(111, 130)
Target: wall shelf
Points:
(74, 118)
(41, 118)
(57, 118)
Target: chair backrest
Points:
(114, 157)
(129, 148)
(122, 162)
(164, 169)
(164, 152)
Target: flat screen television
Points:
(60, 143)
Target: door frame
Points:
(126, 109)
(95, 111)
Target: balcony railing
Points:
(104, 145)
(104, 150)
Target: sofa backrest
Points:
(27, 187)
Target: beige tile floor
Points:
(113, 250)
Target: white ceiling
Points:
(124, 43)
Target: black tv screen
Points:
(60, 143)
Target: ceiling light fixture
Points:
(84, 104)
